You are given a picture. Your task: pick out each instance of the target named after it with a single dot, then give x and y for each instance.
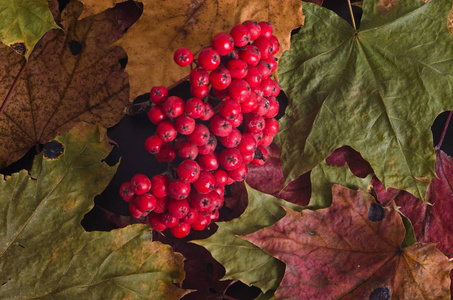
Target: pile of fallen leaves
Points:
(355, 202)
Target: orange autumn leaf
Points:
(351, 250)
(168, 25)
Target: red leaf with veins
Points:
(352, 250)
(269, 179)
(358, 166)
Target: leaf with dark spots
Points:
(337, 252)
(376, 213)
(46, 253)
(72, 76)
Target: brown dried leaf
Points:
(58, 88)
(168, 25)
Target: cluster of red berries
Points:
(215, 134)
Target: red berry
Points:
(208, 162)
(208, 113)
(205, 182)
(191, 216)
(246, 158)
(254, 29)
(145, 202)
(220, 78)
(271, 127)
(265, 46)
(201, 202)
(230, 159)
(200, 92)
(273, 62)
(214, 215)
(249, 104)
(265, 68)
(178, 189)
(134, 211)
(240, 34)
(178, 208)
(187, 150)
(260, 156)
(155, 221)
(169, 220)
(220, 126)
(253, 77)
(161, 205)
(266, 29)
(230, 109)
(238, 68)
(275, 44)
(200, 135)
(181, 230)
(247, 145)
(209, 59)
(159, 185)
(173, 107)
(166, 154)
(188, 171)
(223, 43)
(153, 144)
(239, 173)
(126, 191)
(221, 177)
(183, 57)
(238, 121)
(262, 107)
(202, 221)
(273, 107)
(267, 140)
(276, 89)
(185, 125)
(232, 140)
(166, 131)
(250, 54)
(158, 94)
(209, 147)
(219, 94)
(140, 184)
(194, 108)
(156, 114)
(239, 89)
(268, 87)
(254, 123)
(199, 78)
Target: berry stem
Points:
(447, 122)
(352, 15)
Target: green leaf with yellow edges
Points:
(45, 252)
(23, 23)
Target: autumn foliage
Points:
(355, 200)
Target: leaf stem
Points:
(16, 81)
(447, 122)
(352, 15)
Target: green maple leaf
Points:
(45, 252)
(377, 89)
(24, 22)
